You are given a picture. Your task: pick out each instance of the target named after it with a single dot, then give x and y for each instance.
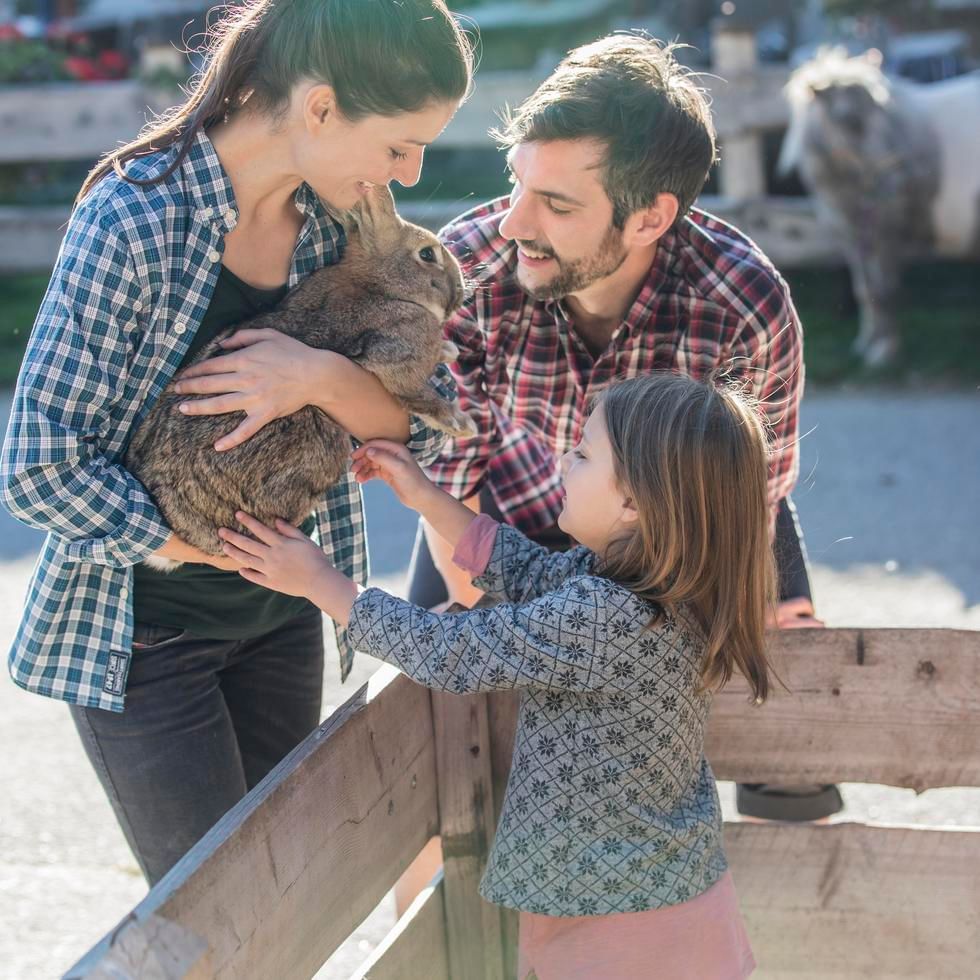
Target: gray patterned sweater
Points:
(611, 805)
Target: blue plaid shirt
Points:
(132, 283)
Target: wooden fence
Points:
(292, 870)
(72, 122)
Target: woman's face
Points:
(341, 159)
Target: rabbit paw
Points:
(448, 352)
(159, 564)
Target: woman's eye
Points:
(395, 155)
(427, 254)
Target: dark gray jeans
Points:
(205, 720)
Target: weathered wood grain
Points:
(286, 875)
(417, 945)
(849, 900)
(467, 821)
(898, 707)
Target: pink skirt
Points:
(703, 939)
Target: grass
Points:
(939, 326)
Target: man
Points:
(597, 267)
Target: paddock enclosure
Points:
(282, 880)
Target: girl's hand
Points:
(394, 464)
(267, 377)
(284, 559)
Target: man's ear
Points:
(645, 226)
(319, 106)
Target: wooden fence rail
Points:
(291, 871)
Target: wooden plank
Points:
(417, 945)
(287, 874)
(502, 707)
(154, 949)
(466, 820)
(898, 707)
(849, 900)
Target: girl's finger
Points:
(265, 534)
(242, 557)
(389, 446)
(253, 576)
(242, 542)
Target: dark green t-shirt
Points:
(205, 600)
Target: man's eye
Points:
(555, 210)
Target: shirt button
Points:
(207, 212)
(123, 592)
(214, 255)
(137, 306)
(179, 327)
(230, 215)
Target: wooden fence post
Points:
(466, 820)
(742, 172)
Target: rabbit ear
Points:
(375, 211)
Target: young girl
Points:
(610, 840)
(204, 220)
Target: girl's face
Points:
(341, 159)
(595, 510)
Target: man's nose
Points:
(516, 223)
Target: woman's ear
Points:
(319, 106)
(645, 226)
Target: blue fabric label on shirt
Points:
(115, 675)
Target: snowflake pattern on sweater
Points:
(610, 805)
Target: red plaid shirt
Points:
(712, 300)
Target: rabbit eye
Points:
(427, 254)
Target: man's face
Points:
(560, 218)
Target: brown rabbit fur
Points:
(382, 305)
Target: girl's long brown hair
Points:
(693, 458)
(379, 56)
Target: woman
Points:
(208, 217)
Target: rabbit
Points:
(383, 306)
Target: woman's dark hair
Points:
(380, 57)
(629, 93)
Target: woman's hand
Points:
(268, 376)
(394, 464)
(286, 560)
(178, 549)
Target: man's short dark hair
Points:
(628, 92)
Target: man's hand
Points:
(796, 614)
(268, 376)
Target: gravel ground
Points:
(887, 498)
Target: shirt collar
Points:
(212, 194)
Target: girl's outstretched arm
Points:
(558, 640)
(515, 570)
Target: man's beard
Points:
(575, 275)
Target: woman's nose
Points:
(408, 171)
